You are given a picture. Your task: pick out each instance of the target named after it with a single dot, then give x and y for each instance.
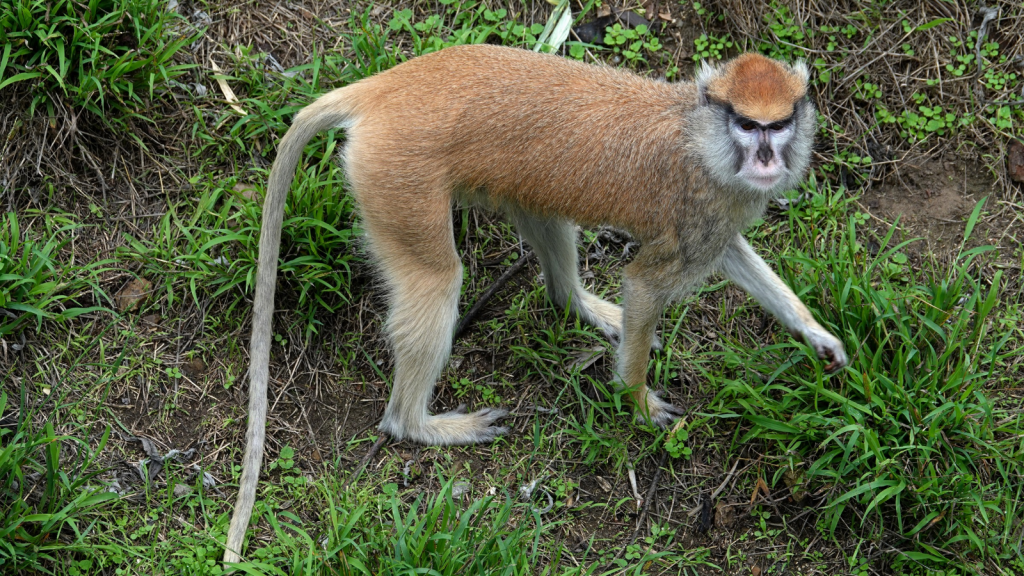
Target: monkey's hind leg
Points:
(424, 275)
(554, 242)
(646, 289)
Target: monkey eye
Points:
(749, 126)
(776, 126)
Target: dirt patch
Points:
(932, 200)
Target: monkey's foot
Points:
(451, 428)
(658, 412)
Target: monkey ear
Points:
(704, 76)
(800, 69)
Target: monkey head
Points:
(754, 123)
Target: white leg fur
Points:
(744, 267)
(554, 242)
(422, 317)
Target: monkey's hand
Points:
(828, 347)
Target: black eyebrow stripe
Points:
(743, 119)
(779, 123)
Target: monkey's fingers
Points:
(836, 357)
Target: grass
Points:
(211, 252)
(46, 506)
(103, 56)
(909, 462)
(906, 443)
(34, 283)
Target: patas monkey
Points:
(550, 142)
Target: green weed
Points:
(103, 55)
(435, 533)
(44, 502)
(711, 47)
(631, 43)
(213, 251)
(34, 284)
(905, 439)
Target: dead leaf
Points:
(603, 484)
(194, 368)
(1015, 155)
(131, 295)
(461, 487)
(705, 520)
(225, 89)
(725, 516)
(681, 423)
(247, 191)
(759, 487)
(795, 482)
(755, 571)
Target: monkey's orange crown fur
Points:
(758, 87)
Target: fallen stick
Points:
(489, 293)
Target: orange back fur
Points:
(592, 144)
(758, 87)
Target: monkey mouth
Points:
(765, 182)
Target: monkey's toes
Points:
(659, 413)
(457, 427)
(490, 433)
(836, 358)
(485, 417)
(490, 415)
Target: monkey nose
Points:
(764, 154)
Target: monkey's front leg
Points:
(645, 295)
(744, 267)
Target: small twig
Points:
(137, 216)
(369, 456)
(726, 481)
(1005, 103)
(647, 502)
(696, 510)
(987, 15)
(99, 173)
(479, 304)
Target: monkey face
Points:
(760, 151)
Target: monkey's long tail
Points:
(332, 109)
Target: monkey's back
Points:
(591, 143)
